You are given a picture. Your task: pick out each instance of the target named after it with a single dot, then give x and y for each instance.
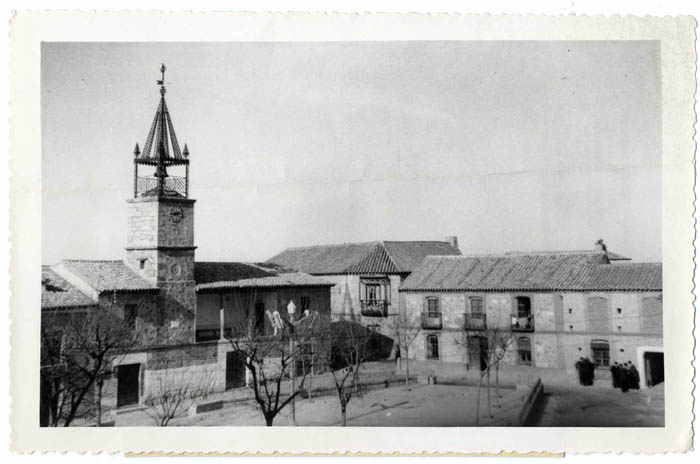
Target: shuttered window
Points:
(432, 306)
(524, 351)
(600, 351)
(476, 305)
(433, 347)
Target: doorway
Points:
(235, 370)
(128, 384)
(653, 368)
(479, 352)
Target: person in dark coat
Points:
(634, 376)
(624, 378)
(615, 373)
(591, 371)
(580, 369)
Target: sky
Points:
(511, 146)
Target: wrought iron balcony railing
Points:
(522, 323)
(431, 320)
(148, 186)
(475, 321)
(374, 308)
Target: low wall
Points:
(531, 404)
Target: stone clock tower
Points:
(160, 240)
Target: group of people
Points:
(625, 376)
(586, 371)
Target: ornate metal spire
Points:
(161, 150)
(162, 132)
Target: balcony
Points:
(475, 322)
(173, 187)
(374, 308)
(431, 320)
(522, 323)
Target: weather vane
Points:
(161, 82)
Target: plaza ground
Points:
(423, 405)
(452, 402)
(577, 406)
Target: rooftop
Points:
(108, 275)
(379, 257)
(56, 292)
(548, 271)
(218, 275)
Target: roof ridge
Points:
(643, 263)
(306, 247)
(514, 254)
(391, 258)
(90, 261)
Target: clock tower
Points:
(160, 238)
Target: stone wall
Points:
(563, 326)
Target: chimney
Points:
(600, 246)
(452, 240)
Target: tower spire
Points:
(162, 151)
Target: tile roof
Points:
(108, 275)
(362, 258)
(216, 275)
(628, 276)
(541, 271)
(56, 292)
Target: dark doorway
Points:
(654, 368)
(235, 370)
(128, 384)
(259, 318)
(478, 352)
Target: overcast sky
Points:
(508, 145)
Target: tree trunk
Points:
(100, 383)
(408, 387)
(498, 389)
(268, 420)
(478, 397)
(343, 410)
(488, 391)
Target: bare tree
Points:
(405, 332)
(493, 343)
(79, 349)
(176, 388)
(342, 349)
(270, 353)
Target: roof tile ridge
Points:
(306, 247)
(391, 258)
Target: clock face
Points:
(176, 215)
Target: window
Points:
(600, 350)
(476, 304)
(130, 316)
(571, 328)
(433, 347)
(433, 306)
(524, 351)
(142, 263)
(619, 328)
(571, 311)
(372, 292)
(523, 304)
(619, 310)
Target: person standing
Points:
(615, 373)
(580, 369)
(624, 378)
(634, 377)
